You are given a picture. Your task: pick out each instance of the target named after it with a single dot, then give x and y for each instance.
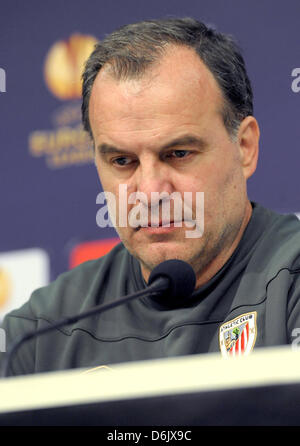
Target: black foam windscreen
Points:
(181, 276)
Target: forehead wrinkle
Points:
(127, 98)
(194, 71)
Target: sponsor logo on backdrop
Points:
(5, 286)
(66, 143)
(296, 81)
(237, 337)
(90, 250)
(21, 272)
(2, 80)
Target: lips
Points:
(162, 224)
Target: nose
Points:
(153, 178)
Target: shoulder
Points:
(281, 234)
(77, 289)
(277, 246)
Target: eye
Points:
(121, 161)
(178, 154)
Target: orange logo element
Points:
(91, 250)
(64, 64)
(5, 287)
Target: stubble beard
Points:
(200, 257)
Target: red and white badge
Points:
(237, 337)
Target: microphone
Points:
(171, 280)
(182, 281)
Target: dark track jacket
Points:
(253, 301)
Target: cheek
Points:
(106, 179)
(222, 187)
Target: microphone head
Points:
(182, 280)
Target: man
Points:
(168, 105)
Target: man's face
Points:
(165, 133)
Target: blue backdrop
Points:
(48, 183)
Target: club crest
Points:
(237, 337)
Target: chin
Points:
(154, 257)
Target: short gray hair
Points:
(131, 49)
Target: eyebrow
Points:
(107, 148)
(187, 140)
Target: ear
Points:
(248, 141)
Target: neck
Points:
(206, 273)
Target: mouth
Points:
(163, 227)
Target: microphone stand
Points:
(159, 285)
